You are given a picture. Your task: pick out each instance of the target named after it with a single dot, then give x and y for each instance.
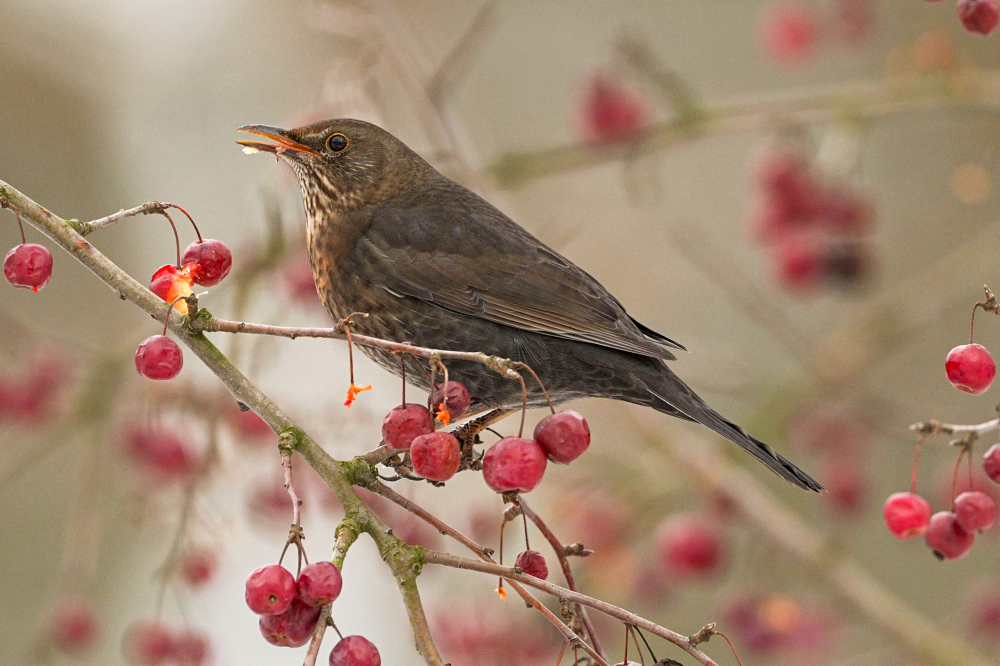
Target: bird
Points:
(434, 264)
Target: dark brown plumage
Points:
(436, 265)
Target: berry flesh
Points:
(405, 422)
(270, 590)
(147, 644)
(970, 368)
(28, 265)
(355, 651)
(319, 584)
(991, 463)
(158, 357)
(170, 283)
(975, 511)
(689, 547)
(435, 456)
(74, 627)
(947, 538)
(293, 628)
(564, 436)
(214, 257)
(514, 464)
(979, 16)
(532, 563)
(456, 399)
(906, 515)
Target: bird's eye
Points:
(337, 143)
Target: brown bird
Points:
(434, 264)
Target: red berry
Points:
(564, 436)
(800, 261)
(611, 112)
(270, 590)
(158, 357)
(979, 16)
(147, 644)
(970, 368)
(170, 283)
(458, 399)
(162, 454)
(514, 464)
(689, 547)
(975, 511)
(847, 486)
(532, 563)
(293, 628)
(846, 211)
(947, 537)
(73, 627)
(214, 258)
(319, 584)
(355, 651)
(790, 34)
(191, 648)
(197, 566)
(28, 265)
(435, 456)
(404, 423)
(991, 463)
(906, 515)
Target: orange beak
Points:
(283, 143)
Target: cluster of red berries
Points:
(815, 229)
(978, 16)
(205, 262)
(289, 609)
(950, 534)
(152, 643)
(515, 463)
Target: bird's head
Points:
(340, 164)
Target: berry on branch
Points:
(906, 515)
(514, 463)
(435, 456)
(270, 590)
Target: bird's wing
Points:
(458, 252)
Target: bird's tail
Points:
(676, 398)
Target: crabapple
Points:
(532, 563)
(790, 34)
(906, 515)
(214, 257)
(435, 456)
(611, 112)
(970, 368)
(991, 463)
(191, 648)
(405, 422)
(171, 283)
(689, 547)
(197, 566)
(147, 644)
(454, 395)
(158, 357)
(564, 435)
(979, 16)
(292, 628)
(270, 590)
(74, 627)
(514, 463)
(975, 511)
(28, 265)
(319, 583)
(355, 651)
(948, 539)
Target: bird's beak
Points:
(284, 142)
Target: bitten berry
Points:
(293, 628)
(435, 456)
(270, 590)
(28, 265)
(457, 402)
(532, 563)
(319, 584)
(170, 283)
(514, 464)
(689, 547)
(214, 257)
(147, 644)
(564, 435)
(991, 463)
(405, 422)
(355, 651)
(975, 511)
(947, 537)
(970, 368)
(906, 515)
(158, 357)
(979, 16)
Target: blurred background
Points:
(801, 193)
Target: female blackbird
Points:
(436, 265)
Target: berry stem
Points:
(524, 404)
(972, 325)
(20, 224)
(731, 646)
(191, 219)
(519, 365)
(916, 462)
(954, 476)
(500, 591)
(170, 308)
(177, 238)
(402, 373)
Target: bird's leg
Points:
(468, 433)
